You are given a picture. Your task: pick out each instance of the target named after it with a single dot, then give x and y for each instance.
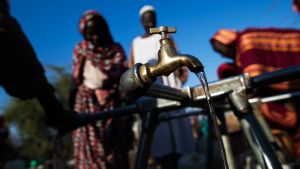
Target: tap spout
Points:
(137, 79)
(169, 64)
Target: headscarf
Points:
(92, 15)
(225, 36)
(227, 39)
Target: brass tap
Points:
(168, 58)
(143, 75)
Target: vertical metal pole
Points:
(226, 141)
(255, 134)
(283, 156)
(228, 151)
(149, 123)
(209, 145)
(261, 146)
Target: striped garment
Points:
(260, 50)
(267, 50)
(224, 42)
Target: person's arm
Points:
(173, 42)
(76, 76)
(23, 76)
(182, 74)
(78, 61)
(131, 58)
(4, 7)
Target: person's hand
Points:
(182, 73)
(102, 95)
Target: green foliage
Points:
(62, 84)
(35, 137)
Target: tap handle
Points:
(163, 30)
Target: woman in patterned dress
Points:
(98, 63)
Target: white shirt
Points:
(93, 77)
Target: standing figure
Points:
(98, 64)
(172, 138)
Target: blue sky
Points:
(52, 26)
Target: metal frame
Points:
(235, 89)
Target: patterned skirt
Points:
(97, 145)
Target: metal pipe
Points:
(281, 75)
(260, 145)
(85, 118)
(165, 92)
(168, 117)
(263, 150)
(276, 97)
(149, 123)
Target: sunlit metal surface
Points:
(218, 88)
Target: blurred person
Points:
(173, 138)
(296, 6)
(22, 75)
(260, 50)
(98, 63)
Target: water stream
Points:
(202, 77)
